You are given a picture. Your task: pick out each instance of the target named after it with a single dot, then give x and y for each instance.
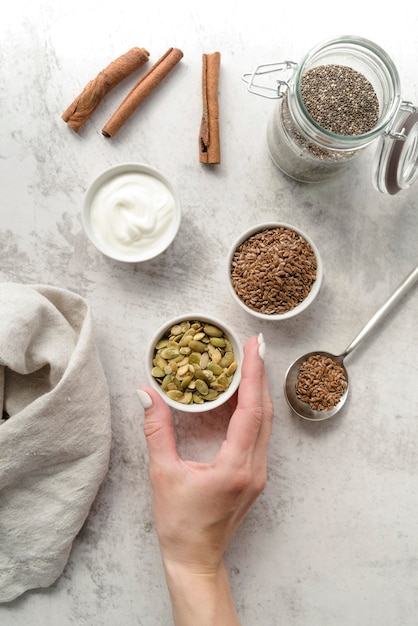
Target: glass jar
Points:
(340, 70)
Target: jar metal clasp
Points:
(401, 134)
(265, 88)
(395, 165)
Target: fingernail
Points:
(261, 346)
(144, 398)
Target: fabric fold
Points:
(55, 433)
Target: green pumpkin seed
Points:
(179, 396)
(175, 394)
(167, 380)
(187, 398)
(186, 382)
(202, 387)
(204, 360)
(199, 374)
(232, 369)
(194, 362)
(216, 356)
(183, 370)
(218, 342)
(217, 386)
(212, 331)
(158, 361)
(215, 368)
(224, 381)
(227, 359)
(228, 346)
(197, 346)
(211, 395)
(208, 375)
(169, 353)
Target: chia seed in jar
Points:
(339, 100)
(343, 95)
(297, 156)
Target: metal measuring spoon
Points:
(302, 408)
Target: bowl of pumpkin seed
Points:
(194, 362)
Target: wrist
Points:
(200, 598)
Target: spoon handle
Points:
(397, 295)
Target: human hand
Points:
(198, 506)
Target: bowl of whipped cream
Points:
(131, 212)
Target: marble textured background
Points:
(333, 540)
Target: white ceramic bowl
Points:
(224, 395)
(303, 305)
(131, 212)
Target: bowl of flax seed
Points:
(274, 271)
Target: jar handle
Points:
(266, 91)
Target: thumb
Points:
(158, 426)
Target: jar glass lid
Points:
(396, 160)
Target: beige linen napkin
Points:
(54, 434)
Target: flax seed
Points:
(321, 382)
(273, 270)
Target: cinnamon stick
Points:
(209, 142)
(79, 111)
(141, 90)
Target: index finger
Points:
(251, 421)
